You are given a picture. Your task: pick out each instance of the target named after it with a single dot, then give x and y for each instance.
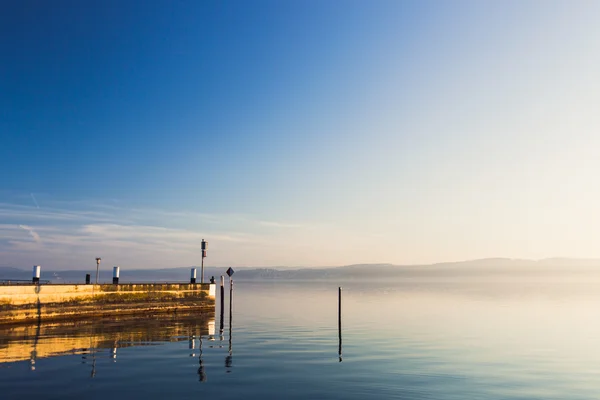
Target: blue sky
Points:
(297, 133)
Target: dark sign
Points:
(230, 271)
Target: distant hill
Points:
(462, 269)
(14, 273)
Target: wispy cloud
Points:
(69, 234)
(275, 224)
(35, 201)
(33, 233)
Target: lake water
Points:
(402, 340)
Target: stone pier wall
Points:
(26, 303)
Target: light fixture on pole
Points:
(98, 259)
(204, 245)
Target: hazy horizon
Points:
(552, 262)
(295, 133)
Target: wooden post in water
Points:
(340, 321)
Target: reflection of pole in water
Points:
(340, 322)
(201, 372)
(229, 358)
(192, 345)
(93, 352)
(33, 356)
(93, 374)
(211, 330)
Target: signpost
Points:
(229, 358)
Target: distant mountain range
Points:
(473, 268)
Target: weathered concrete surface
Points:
(23, 303)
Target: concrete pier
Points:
(26, 303)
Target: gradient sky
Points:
(297, 133)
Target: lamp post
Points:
(98, 259)
(204, 244)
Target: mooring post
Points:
(116, 271)
(340, 321)
(36, 273)
(222, 303)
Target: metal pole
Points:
(340, 322)
(229, 358)
(222, 302)
(203, 248)
(230, 301)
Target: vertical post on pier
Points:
(204, 243)
(116, 271)
(98, 259)
(36, 273)
(193, 276)
(222, 303)
(340, 322)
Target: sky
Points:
(297, 133)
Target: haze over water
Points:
(428, 340)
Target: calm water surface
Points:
(409, 340)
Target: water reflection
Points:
(89, 338)
(519, 341)
(201, 372)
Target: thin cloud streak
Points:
(33, 233)
(35, 201)
(141, 237)
(274, 224)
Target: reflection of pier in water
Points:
(211, 334)
(41, 340)
(101, 338)
(94, 339)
